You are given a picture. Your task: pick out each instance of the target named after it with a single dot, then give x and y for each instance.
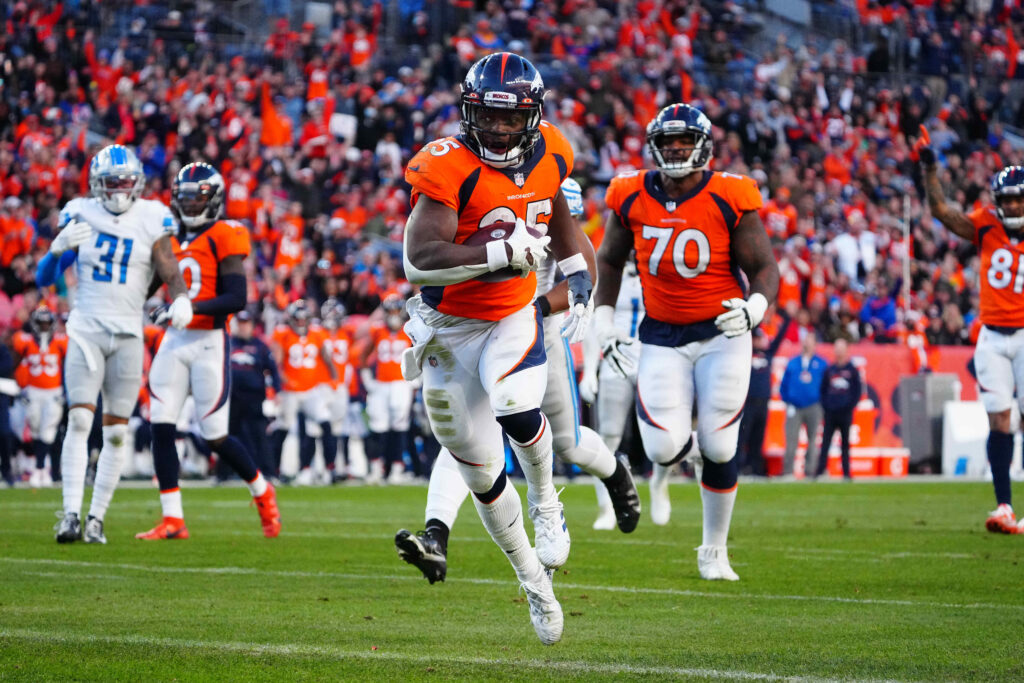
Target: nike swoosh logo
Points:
(513, 521)
(175, 534)
(414, 168)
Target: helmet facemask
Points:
(196, 203)
(679, 160)
(500, 136)
(1011, 222)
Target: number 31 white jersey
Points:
(114, 266)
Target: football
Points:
(497, 231)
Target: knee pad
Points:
(80, 420)
(115, 434)
(720, 446)
(719, 476)
(522, 427)
(481, 478)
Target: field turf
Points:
(863, 581)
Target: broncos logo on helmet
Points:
(688, 123)
(116, 178)
(502, 99)
(197, 195)
(1010, 183)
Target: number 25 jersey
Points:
(448, 172)
(1002, 271)
(683, 244)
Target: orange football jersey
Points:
(302, 368)
(779, 221)
(387, 350)
(338, 344)
(39, 367)
(448, 172)
(683, 243)
(1002, 271)
(199, 261)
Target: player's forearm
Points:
(50, 267)
(167, 268)
(765, 281)
(230, 300)
(610, 278)
(446, 263)
(557, 297)
(955, 221)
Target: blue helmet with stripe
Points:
(680, 121)
(1009, 183)
(116, 178)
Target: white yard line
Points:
(560, 585)
(305, 651)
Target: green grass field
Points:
(865, 581)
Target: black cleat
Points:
(69, 529)
(423, 551)
(625, 499)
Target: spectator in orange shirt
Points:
(779, 215)
(16, 232)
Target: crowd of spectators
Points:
(311, 128)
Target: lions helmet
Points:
(1009, 183)
(332, 313)
(197, 195)
(116, 178)
(42, 321)
(502, 98)
(680, 120)
(297, 316)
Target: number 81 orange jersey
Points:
(683, 244)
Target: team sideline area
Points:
(866, 581)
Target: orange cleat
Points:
(1002, 521)
(170, 528)
(270, 516)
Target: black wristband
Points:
(544, 305)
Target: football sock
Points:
(659, 474)
(591, 455)
(535, 458)
(329, 444)
(446, 490)
(1000, 453)
(235, 455)
(502, 515)
(439, 531)
(41, 449)
(108, 469)
(307, 450)
(603, 499)
(165, 456)
(718, 494)
(75, 458)
(170, 503)
(258, 485)
(277, 446)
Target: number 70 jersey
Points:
(114, 266)
(684, 244)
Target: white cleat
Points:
(661, 506)
(305, 477)
(545, 612)
(550, 533)
(713, 562)
(35, 480)
(605, 519)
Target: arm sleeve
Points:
(230, 300)
(50, 267)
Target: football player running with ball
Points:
(210, 254)
(692, 228)
(573, 444)
(477, 334)
(117, 242)
(997, 232)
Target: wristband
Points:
(573, 264)
(544, 305)
(497, 257)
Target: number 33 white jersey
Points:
(114, 266)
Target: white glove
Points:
(613, 341)
(369, 383)
(576, 323)
(743, 315)
(588, 387)
(181, 312)
(74, 235)
(523, 246)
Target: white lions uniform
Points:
(114, 269)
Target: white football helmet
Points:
(116, 178)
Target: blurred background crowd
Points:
(310, 111)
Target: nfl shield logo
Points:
(671, 206)
(519, 179)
